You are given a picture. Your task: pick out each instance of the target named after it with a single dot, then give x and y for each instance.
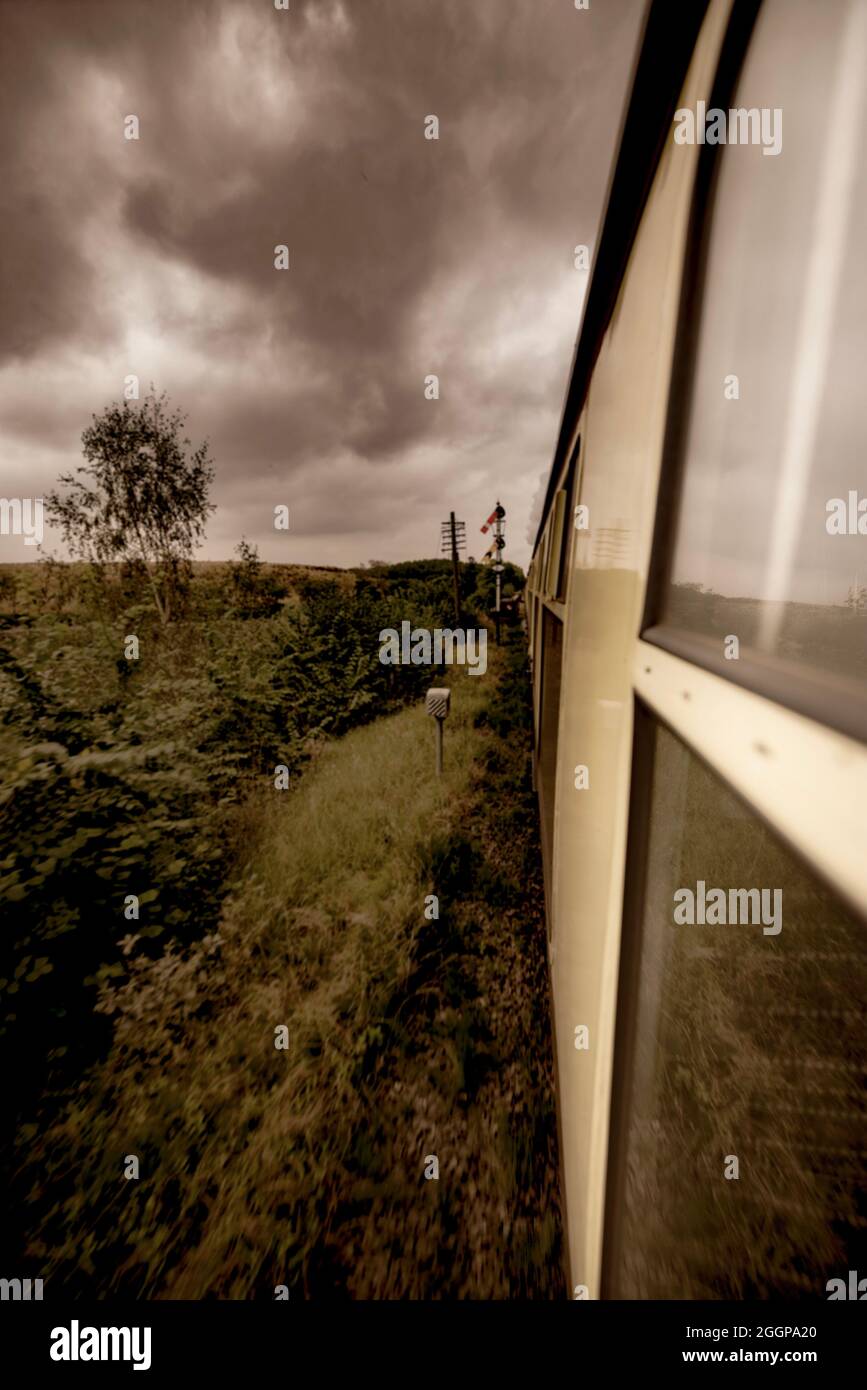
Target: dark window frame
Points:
(566, 540)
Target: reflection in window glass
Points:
(767, 544)
(749, 1045)
(552, 667)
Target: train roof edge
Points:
(663, 57)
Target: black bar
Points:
(258, 1339)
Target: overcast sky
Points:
(408, 256)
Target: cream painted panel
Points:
(622, 444)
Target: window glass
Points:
(743, 1155)
(552, 665)
(555, 553)
(767, 543)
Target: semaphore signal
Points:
(495, 549)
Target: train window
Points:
(543, 561)
(552, 664)
(770, 544)
(555, 552)
(739, 1151)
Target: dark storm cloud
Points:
(407, 257)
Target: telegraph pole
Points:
(499, 542)
(453, 537)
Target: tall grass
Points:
(250, 1154)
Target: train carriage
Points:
(697, 618)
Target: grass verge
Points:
(406, 1037)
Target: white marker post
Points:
(437, 703)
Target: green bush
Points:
(127, 777)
